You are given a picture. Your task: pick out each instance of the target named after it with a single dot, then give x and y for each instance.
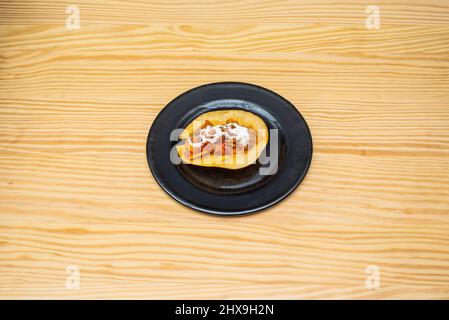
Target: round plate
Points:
(222, 191)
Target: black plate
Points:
(222, 191)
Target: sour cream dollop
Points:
(213, 134)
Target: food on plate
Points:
(230, 139)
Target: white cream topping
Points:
(214, 134)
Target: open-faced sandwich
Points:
(230, 139)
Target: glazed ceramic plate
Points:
(223, 191)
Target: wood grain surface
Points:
(75, 188)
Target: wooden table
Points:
(76, 191)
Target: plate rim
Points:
(223, 213)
